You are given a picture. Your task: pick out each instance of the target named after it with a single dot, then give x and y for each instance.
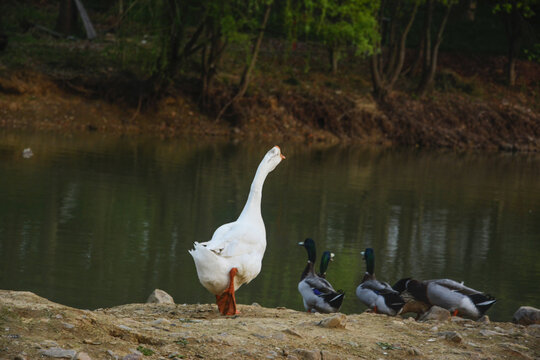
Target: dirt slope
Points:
(31, 326)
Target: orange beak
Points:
(282, 156)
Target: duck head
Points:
(369, 257)
(272, 158)
(327, 256)
(309, 244)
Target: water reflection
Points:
(93, 221)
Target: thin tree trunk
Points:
(246, 75)
(428, 76)
(402, 42)
(67, 17)
(334, 59)
(514, 31)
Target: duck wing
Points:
(320, 284)
(379, 287)
(454, 286)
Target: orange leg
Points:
(375, 309)
(226, 302)
(455, 312)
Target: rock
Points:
(484, 319)
(160, 321)
(132, 356)
(57, 352)
(91, 342)
(19, 357)
(48, 344)
(307, 354)
(435, 313)
(292, 332)
(413, 351)
(526, 315)
(112, 354)
(336, 321)
(68, 325)
(160, 297)
(488, 333)
(83, 356)
(452, 336)
(327, 355)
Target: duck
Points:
(317, 293)
(234, 254)
(326, 257)
(449, 294)
(379, 296)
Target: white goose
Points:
(233, 256)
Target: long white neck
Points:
(253, 203)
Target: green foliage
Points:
(533, 54)
(145, 351)
(335, 23)
(524, 7)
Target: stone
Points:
(83, 356)
(526, 315)
(68, 325)
(336, 321)
(304, 354)
(19, 357)
(48, 344)
(327, 355)
(413, 351)
(292, 332)
(435, 313)
(452, 336)
(56, 352)
(132, 356)
(160, 297)
(112, 354)
(484, 319)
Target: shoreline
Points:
(32, 326)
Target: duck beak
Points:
(301, 243)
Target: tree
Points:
(431, 51)
(67, 17)
(394, 23)
(514, 13)
(347, 23)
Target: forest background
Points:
(427, 73)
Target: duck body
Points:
(234, 254)
(448, 294)
(377, 295)
(318, 295)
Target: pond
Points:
(93, 221)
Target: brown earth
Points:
(30, 326)
(468, 110)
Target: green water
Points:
(92, 221)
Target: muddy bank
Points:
(309, 114)
(32, 327)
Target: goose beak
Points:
(280, 154)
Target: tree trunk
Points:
(67, 17)
(334, 59)
(246, 75)
(428, 75)
(514, 33)
(384, 75)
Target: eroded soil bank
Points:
(32, 327)
(307, 113)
